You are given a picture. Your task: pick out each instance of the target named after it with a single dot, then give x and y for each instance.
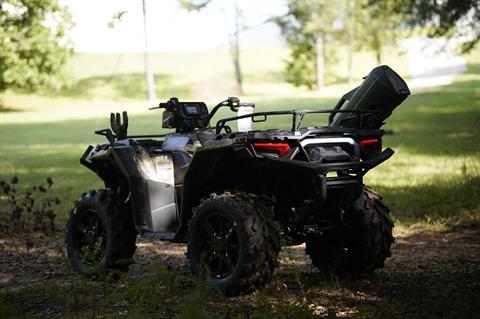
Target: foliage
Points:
(233, 37)
(377, 24)
(360, 23)
(26, 212)
(305, 22)
(442, 18)
(33, 41)
(192, 5)
(300, 67)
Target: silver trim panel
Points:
(328, 140)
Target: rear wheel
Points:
(100, 235)
(232, 242)
(364, 242)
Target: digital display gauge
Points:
(192, 109)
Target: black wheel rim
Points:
(90, 238)
(219, 245)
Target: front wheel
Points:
(232, 242)
(364, 241)
(100, 235)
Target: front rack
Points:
(297, 117)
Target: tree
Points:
(443, 17)
(149, 76)
(233, 37)
(378, 23)
(34, 46)
(309, 28)
(351, 22)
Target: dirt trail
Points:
(430, 274)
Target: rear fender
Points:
(206, 172)
(235, 166)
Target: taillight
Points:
(366, 143)
(370, 147)
(277, 148)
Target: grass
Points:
(433, 179)
(44, 134)
(99, 83)
(435, 175)
(443, 283)
(157, 292)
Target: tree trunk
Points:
(377, 46)
(320, 65)
(149, 77)
(236, 64)
(351, 37)
(378, 54)
(235, 48)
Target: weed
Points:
(28, 211)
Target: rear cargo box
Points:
(381, 92)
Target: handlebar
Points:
(169, 105)
(186, 116)
(233, 102)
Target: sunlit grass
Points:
(433, 177)
(101, 83)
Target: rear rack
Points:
(297, 117)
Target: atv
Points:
(236, 197)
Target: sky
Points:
(169, 27)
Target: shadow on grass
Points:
(443, 121)
(445, 202)
(9, 110)
(6, 109)
(132, 86)
(429, 275)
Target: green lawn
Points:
(434, 176)
(433, 179)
